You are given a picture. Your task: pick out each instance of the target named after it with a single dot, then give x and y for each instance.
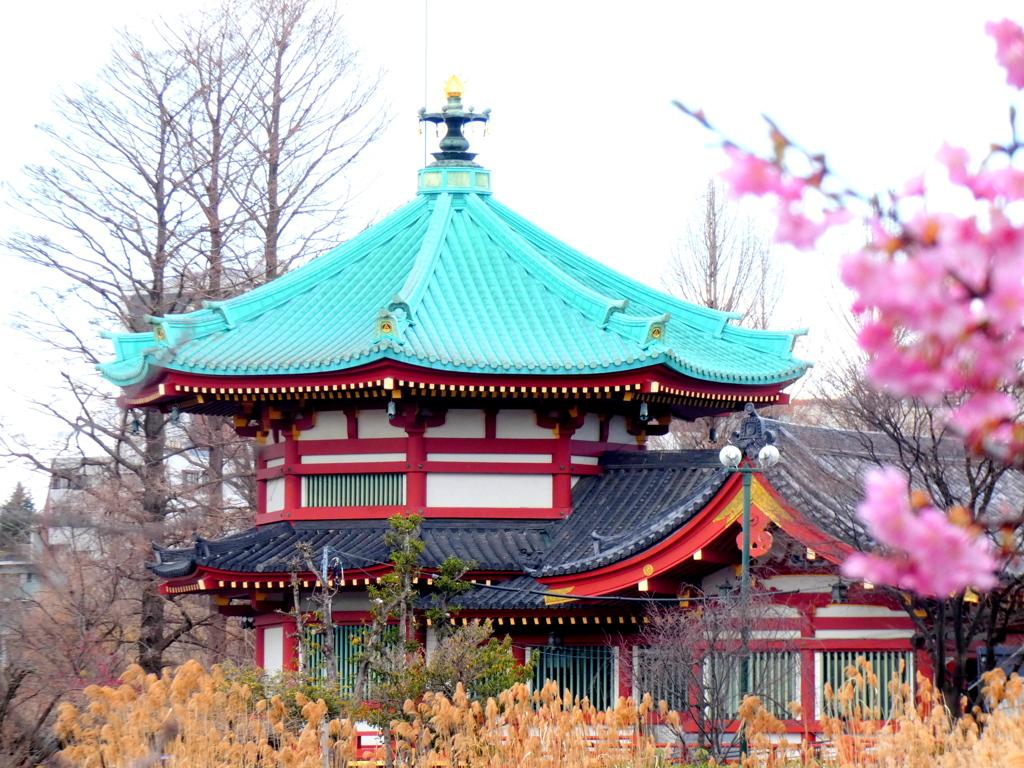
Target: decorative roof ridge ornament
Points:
(454, 144)
(752, 437)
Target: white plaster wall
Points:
(512, 458)
(330, 425)
(780, 612)
(431, 644)
(341, 603)
(275, 494)
(375, 423)
(461, 423)
(352, 458)
(858, 612)
(488, 490)
(274, 463)
(591, 429)
(709, 584)
(863, 634)
(617, 431)
(514, 424)
(797, 583)
(273, 649)
(861, 612)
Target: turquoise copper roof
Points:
(455, 281)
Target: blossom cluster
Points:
(924, 551)
(941, 302)
(750, 174)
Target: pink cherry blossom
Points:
(956, 161)
(750, 174)
(922, 550)
(940, 296)
(982, 415)
(800, 231)
(1009, 49)
(914, 187)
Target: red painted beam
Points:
(167, 386)
(384, 512)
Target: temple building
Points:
(456, 362)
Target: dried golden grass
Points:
(542, 729)
(917, 733)
(193, 717)
(187, 715)
(202, 721)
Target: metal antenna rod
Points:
(426, 89)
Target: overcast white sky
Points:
(584, 140)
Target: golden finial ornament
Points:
(453, 87)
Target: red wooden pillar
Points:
(292, 481)
(290, 655)
(416, 457)
(562, 489)
(626, 667)
(260, 661)
(519, 654)
(808, 683)
(261, 488)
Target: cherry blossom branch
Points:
(941, 299)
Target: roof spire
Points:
(454, 144)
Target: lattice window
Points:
(345, 649)
(585, 671)
(774, 678)
(354, 490)
(657, 671)
(872, 672)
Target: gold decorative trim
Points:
(760, 498)
(551, 600)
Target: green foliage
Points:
(390, 662)
(448, 585)
(16, 520)
(470, 655)
(405, 549)
(396, 666)
(293, 689)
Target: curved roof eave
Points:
(132, 372)
(595, 318)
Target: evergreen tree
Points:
(16, 521)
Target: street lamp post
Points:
(751, 440)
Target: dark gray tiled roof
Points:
(641, 498)
(822, 474)
(512, 594)
(494, 545)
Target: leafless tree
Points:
(202, 148)
(77, 622)
(879, 429)
(694, 660)
(309, 128)
(724, 261)
(326, 589)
